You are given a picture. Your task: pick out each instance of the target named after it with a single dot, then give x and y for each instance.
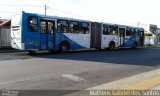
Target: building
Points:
(152, 33)
(158, 36)
(5, 22)
(153, 28)
(5, 33)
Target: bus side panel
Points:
(29, 38)
(130, 41)
(139, 38)
(79, 39)
(43, 42)
(60, 37)
(96, 35)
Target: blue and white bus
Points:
(34, 32)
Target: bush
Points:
(148, 34)
(149, 46)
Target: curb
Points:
(9, 50)
(140, 82)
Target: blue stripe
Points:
(130, 41)
(60, 37)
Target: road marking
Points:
(146, 84)
(72, 77)
(141, 86)
(142, 82)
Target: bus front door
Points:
(47, 34)
(121, 36)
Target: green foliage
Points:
(148, 34)
(150, 46)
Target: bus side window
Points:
(50, 27)
(63, 26)
(43, 27)
(141, 34)
(110, 30)
(84, 28)
(128, 32)
(136, 32)
(32, 24)
(74, 27)
(106, 30)
(133, 32)
(114, 30)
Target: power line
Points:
(71, 13)
(45, 8)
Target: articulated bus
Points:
(34, 32)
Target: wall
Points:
(5, 34)
(149, 40)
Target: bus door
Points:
(121, 36)
(141, 32)
(47, 34)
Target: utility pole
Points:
(45, 9)
(138, 23)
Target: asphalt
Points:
(144, 83)
(75, 70)
(9, 50)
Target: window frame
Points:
(67, 27)
(133, 32)
(75, 30)
(137, 33)
(29, 19)
(44, 26)
(128, 32)
(110, 30)
(82, 28)
(50, 27)
(107, 28)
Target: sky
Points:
(126, 12)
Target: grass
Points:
(151, 46)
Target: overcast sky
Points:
(113, 11)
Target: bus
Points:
(33, 32)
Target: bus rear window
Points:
(32, 24)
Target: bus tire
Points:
(111, 45)
(32, 52)
(64, 47)
(134, 46)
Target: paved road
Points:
(75, 70)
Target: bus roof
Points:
(49, 17)
(58, 17)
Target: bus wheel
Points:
(64, 47)
(134, 46)
(111, 45)
(32, 52)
